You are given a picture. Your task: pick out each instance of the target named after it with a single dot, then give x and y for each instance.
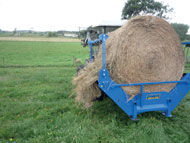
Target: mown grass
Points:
(37, 103)
(40, 53)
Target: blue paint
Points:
(90, 45)
(162, 101)
(185, 43)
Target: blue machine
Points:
(185, 43)
(90, 45)
(162, 101)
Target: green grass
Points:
(40, 53)
(37, 103)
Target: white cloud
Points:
(57, 14)
(181, 10)
(70, 14)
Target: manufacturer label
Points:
(152, 96)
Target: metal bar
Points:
(104, 52)
(103, 38)
(142, 89)
(185, 43)
(141, 93)
(185, 51)
(91, 51)
(93, 42)
(90, 44)
(187, 54)
(148, 83)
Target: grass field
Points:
(37, 103)
(39, 39)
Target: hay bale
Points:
(145, 49)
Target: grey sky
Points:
(70, 14)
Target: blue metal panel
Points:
(144, 102)
(90, 45)
(185, 43)
(117, 94)
(103, 38)
(162, 101)
(91, 51)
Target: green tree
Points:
(187, 37)
(181, 30)
(138, 7)
(52, 34)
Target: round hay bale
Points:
(145, 49)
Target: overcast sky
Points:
(44, 15)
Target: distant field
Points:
(58, 39)
(37, 102)
(15, 53)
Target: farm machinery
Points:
(162, 101)
(187, 56)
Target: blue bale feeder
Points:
(165, 102)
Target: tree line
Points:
(140, 7)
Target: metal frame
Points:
(162, 101)
(186, 50)
(90, 45)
